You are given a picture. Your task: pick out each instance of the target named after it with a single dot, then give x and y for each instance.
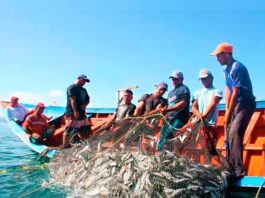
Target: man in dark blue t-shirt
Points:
(77, 101)
(240, 105)
(177, 112)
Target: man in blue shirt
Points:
(177, 112)
(240, 104)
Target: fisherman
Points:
(76, 118)
(205, 104)
(36, 125)
(16, 111)
(123, 110)
(148, 103)
(177, 113)
(240, 105)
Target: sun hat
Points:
(163, 85)
(176, 74)
(83, 77)
(222, 47)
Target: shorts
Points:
(81, 126)
(44, 135)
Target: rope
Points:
(45, 186)
(257, 195)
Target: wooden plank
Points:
(250, 129)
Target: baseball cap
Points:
(163, 85)
(204, 73)
(40, 104)
(222, 47)
(83, 77)
(176, 74)
(13, 98)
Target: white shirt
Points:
(204, 97)
(17, 113)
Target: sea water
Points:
(20, 171)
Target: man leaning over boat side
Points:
(149, 103)
(76, 118)
(123, 110)
(36, 125)
(16, 111)
(205, 104)
(240, 104)
(177, 112)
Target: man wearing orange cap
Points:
(36, 125)
(240, 104)
(16, 111)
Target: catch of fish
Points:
(116, 173)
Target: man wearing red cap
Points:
(240, 105)
(16, 111)
(36, 125)
(76, 118)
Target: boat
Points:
(98, 117)
(253, 144)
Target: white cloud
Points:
(55, 93)
(28, 97)
(54, 97)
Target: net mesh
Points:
(194, 141)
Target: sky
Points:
(45, 45)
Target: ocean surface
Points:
(20, 171)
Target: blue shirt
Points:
(179, 93)
(236, 75)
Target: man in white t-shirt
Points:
(205, 101)
(16, 111)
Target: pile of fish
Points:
(117, 173)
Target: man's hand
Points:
(164, 110)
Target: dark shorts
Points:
(45, 134)
(82, 126)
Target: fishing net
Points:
(195, 140)
(122, 161)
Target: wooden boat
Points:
(253, 144)
(98, 117)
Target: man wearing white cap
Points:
(205, 104)
(177, 112)
(150, 102)
(205, 101)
